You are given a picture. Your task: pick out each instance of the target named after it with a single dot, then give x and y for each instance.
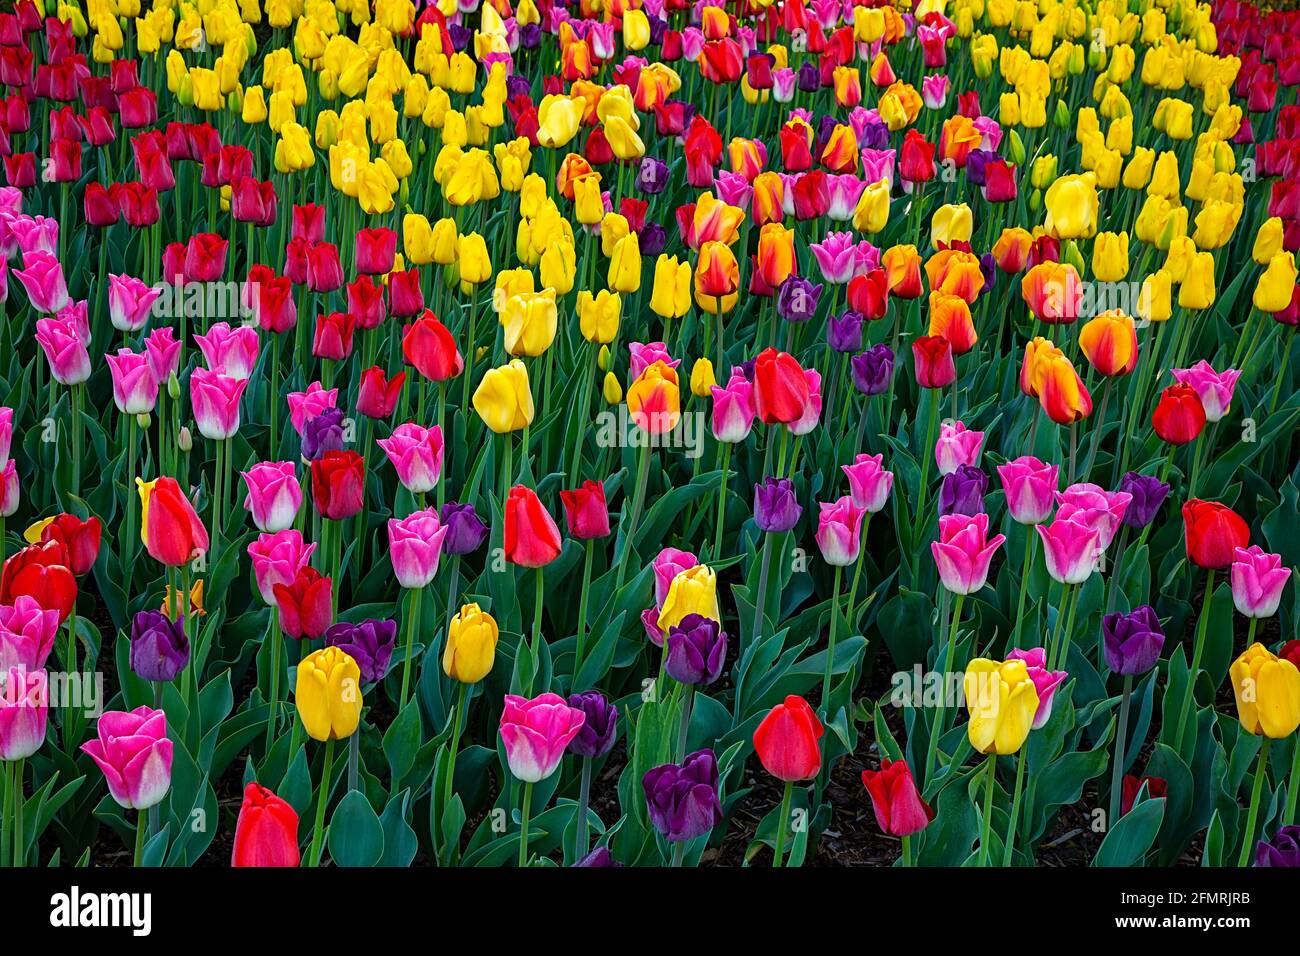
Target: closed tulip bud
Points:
(328, 694)
(611, 390)
(786, 740)
(1002, 700)
(1267, 690)
(266, 832)
(1213, 533)
(532, 539)
(1197, 289)
(159, 648)
(24, 712)
(471, 645)
(682, 799)
(898, 805)
(1276, 287)
(1258, 579)
(599, 727)
(933, 362)
(1132, 641)
(702, 380)
(169, 527)
(775, 506)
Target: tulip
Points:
(1213, 533)
(130, 302)
(415, 544)
(781, 388)
(599, 727)
(654, 399)
(24, 712)
(1214, 389)
(429, 346)
(962, 491)
(869, 483)
(957, 446)
(1258, 579)
(1002, 700)
(873, 370)
(277, 559)
(305, 604)
(532, 539)
(1045, 681)
(682, 799)
(416, 453)
(274, 495)
(963, 552)
(133, 751)
(160, 648)
(932, 355)
(1147, 494)
(900, 810)
(169, 527)
(230, 351)
(466, 532)
(1071, 549)
(1029, 485)
(503, 399)
(266, 832)
(535, 734)
(1267, 690)
(1109, 342)
(79, 538)
(1133, 641)
(1179, 416)
(733, 409)
(328, 694)
(377, 395)
(370, 643)
(775, 506)
(471, 645)
(586, 512)
(787, 741)
(64, 349)
(1283, 850)
(27, 633)
(215, 399)
(338, 484)
(697, 649)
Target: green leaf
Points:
(356, 837)
(1128, 841)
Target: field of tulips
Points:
(649, 433)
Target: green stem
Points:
(1197, 650)
(1031, 538)
(1261, 771)
(581, 646)
(525, 811)
(830, 646)
(272, 711)
(990, 773)
(940, 714)
(722, 501)
(1121, 738)
(140, 827)
(459, 720)
(779, 858)
(20, 848)
(927, 453)
(1014, 825)
(322, 797)
(638, 499)
(414, 608)
(584, 800)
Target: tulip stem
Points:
(273, 393)
(779, 857)
(1294, 791)
(132, 499)
(1063, 651)
(1031, 538)
(322, 797)
(7, 812)
(138, 854)
(1014, 825)
(990, 773)
(271, 715)
(940, 715)
(354, 758)
(20, 850)
(539, 597)
(581, 646)
(923, 489)
(1097, 430)
(71, 664)
(722, 501)
(830, 645)
(413, 608)
(850, 616)
(584, 409)
(525, 811)
(642, 476)
(760, 597)
(1121, 738)
(459, 720)
(1197, 650)
(1261, 771)
(584, 800)
(688, 698)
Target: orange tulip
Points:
(950, 317)
(1110, 343)
(775, 253)
(717, 277)
(654, 399)
(1052, 291)
(955, 272)
(903, 268)
(1063, 395)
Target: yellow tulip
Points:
(625, 265)
(1277, 285)
(872, 212)
(1110, 256)
(529, 321)
(611, 389)
(328, 694)
(1267, 689)
(254, 106)
(1197, 288)
(598, 316)
(417, 239)
(1072, 207)
(471, 645)
(559, 266)
(445, 242)
(670, 295)
(1155, 301)
(1002, 702)
(694, 591)
(558, 118)
(472, 256)
(503, 398)
(1268, 241)
(702, 380)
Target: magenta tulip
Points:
(133, 751)
(839, 526)
(65, 350)
(1045, 682)
(130, 302)
(415, 544)
(1030, 487)
(42, 277)
(869, 483)
(416, 454)
(1094, 507)
(230, 351)
(24, 708)
(163, 352)
(733, 409)
(1070, 548)
(215, 398)
(277, 559)
(274, 495)
(27, 633)
(957, 445)
(535, 733)
(135, 388)
(963, 552)
(1258, 579)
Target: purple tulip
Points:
(962, 492)
(599, 857)
(159, 648)
(873, 369)
(1148, 495)
(1132, 641)
(797, 298)
(1282, 850)
(810, 78)
(653, 239)
(683, 798)
(465, 531)
(322, 433)
(844, 333)
(370, 643)
(775, 506)
(697, 649)
(651, 176)
(600, 730)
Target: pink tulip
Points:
(535, 733)
(277, 559)
(43, 279)
(957, 445)
(669, 563)
(6, 432)
(135, 389)
(1071, 548)
(1258, 579)
(835, 256)
(1214, 389)
(274, 495)
(24, 707)
(812, 411)
(129, 302)
(27, 633)
(644, 354)
(66, 352)
(35, 234)
(133, 751)
(230, 351)
(1045, 681)
(77, 314)
(164, 353)
(307, 405)
(845, 191)
(733, 409)
(1094, 507)
(869, 483)
(416, 454)
(10, 495)
(215, 398)
(415, 544)
(934, 90)
(963, 551)
(1029, 485)
(839, 527)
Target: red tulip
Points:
(585, 510)
(1179, 416)
(531, 537)
(1213, 533)
(428, 345)
(338, 480)
(780, 388)
(100, 209)
(306, 605)
(375, 250)
(405, 297)
(916, 158)
(40, 572)
(266, 833)
(900, 810)
(324, 272)
(308, 222)
(205, 257)
(869, 294)
(786, 741)
(333, 336)
(171, 529)
(934, 365)
(81, 538)
(366, 302)
(378, 395)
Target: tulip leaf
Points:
(1129, 840)
(402, 742)
(1213, 854)
(400, 842)
(356, 836)
(955, 828)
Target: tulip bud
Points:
(603, 358)
(144, 420)
(183, 440)
(1015, 148)
(611, 389)
(173, 386)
